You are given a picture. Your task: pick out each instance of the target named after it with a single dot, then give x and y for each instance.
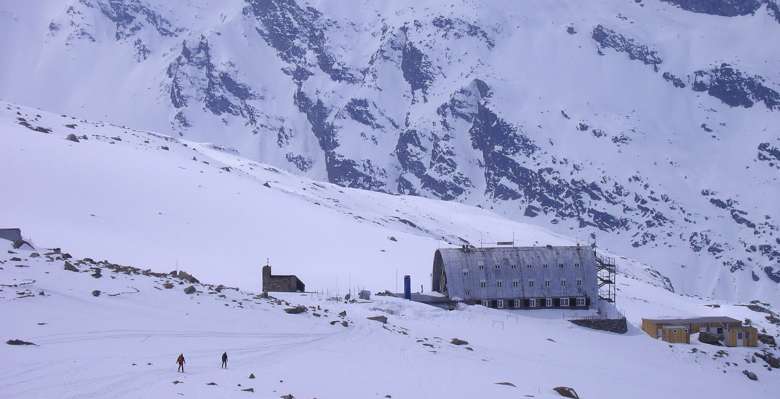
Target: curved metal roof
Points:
(465, 269)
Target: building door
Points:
(740, 338)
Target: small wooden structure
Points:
(678, 331)
(281, 283)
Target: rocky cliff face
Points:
(649, 127)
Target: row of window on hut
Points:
(522, 303)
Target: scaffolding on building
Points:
(605, 274)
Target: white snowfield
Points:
(124, 342)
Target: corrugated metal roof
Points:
(474, 273)
(695, 320)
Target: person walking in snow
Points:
(224, 360)
(180, 361)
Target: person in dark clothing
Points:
(224, 360)
(180, 361)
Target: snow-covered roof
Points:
(465, 269)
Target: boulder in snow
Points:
(458, 341)
(567, 392)
(190, 290)
(709, 338)
(96, 293)
(381, 319)
(19, 342)
(750, 375)
(295, 309)
(69, 267)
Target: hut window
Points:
(547, 283)
(515, 283)
(576, 265)
(580, 301)
(514, 266)
(532, 303)
(565, 302)
(544, 266)
(530, 283)
(481, 267)
(518, 303)
(486, 303)
(579, 282)
(739, 335)
(560, 265)
(530, 266)
(468, 292)
(548, 302)
(500, 304)
(499, 283)
(563, 283)
(498, 267)
(465, 272)
(482, 284)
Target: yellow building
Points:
(678, 331)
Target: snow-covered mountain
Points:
(650, 126)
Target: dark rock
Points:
(35, 255)
(168, 285)
(96, 293)
(709, 338)
(69, 267)
(178, 382)
(180, 274)
(288, 396)
(458, 341)
(251, 376)
(343, 313)
(19, 342)
(723, 8)
(97, 273)
(509, 384)
(190, 290)
(567, 392)
(608, 38)
(295, 309)
(381, 319)
(248, 389)
(212, 383)
(749, 374)
(770, 359)
(619, 326)
(344, 324)
(767, 339)
(735, 88)
(72, 137)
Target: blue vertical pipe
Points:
(408, 287)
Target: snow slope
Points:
(122, 343)
(153, 201)
(648, 126)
